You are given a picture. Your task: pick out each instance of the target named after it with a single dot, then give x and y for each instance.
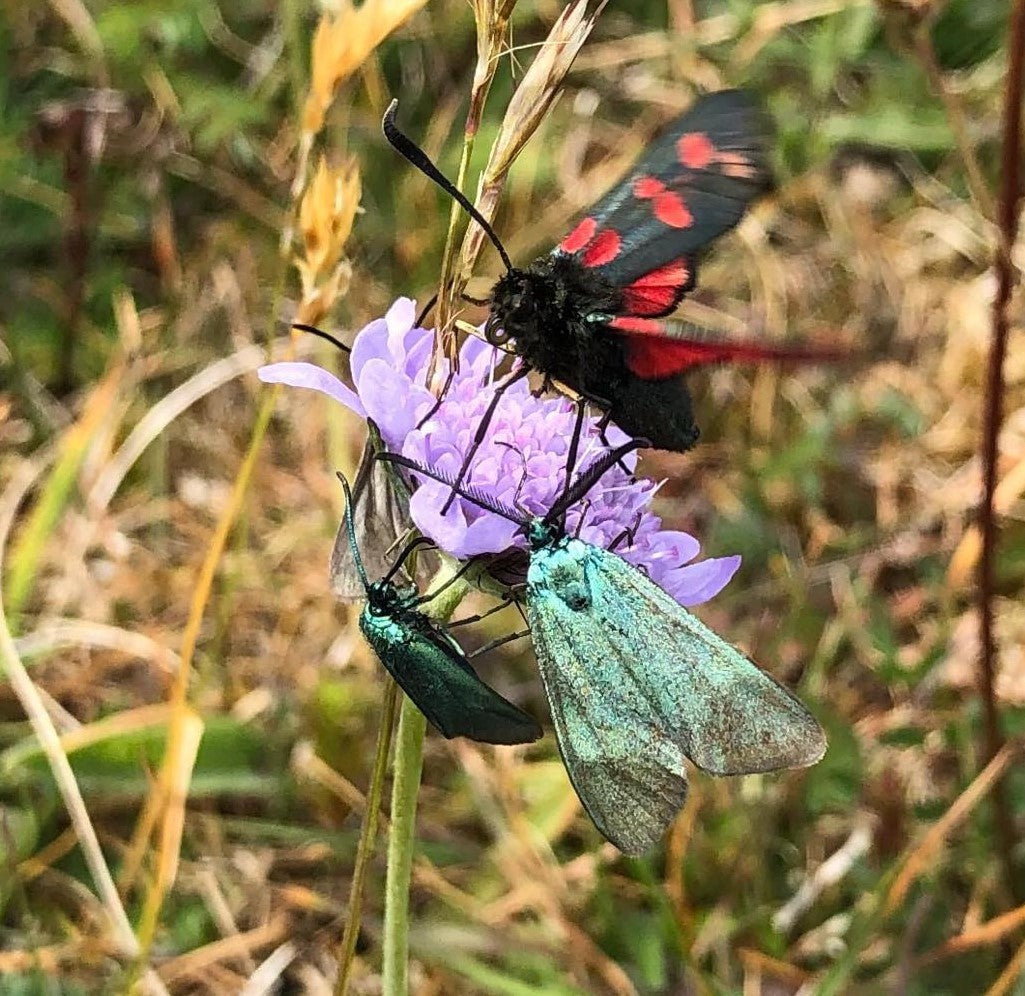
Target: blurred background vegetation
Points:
(148, 152)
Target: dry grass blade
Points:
(49, 741)
(184, 734)
(965, 558)
(71, 451)
(226, 949)
(56, 634)
(922, 854)
(108, 728)
(159, 800)
(163, 413)
(1010, 975)
(984, 935)
(827, 874)
(270, 970)
(529, 105)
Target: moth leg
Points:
(472, 562)
(508, 638)
(441, 398)
(482, 428)
(523, 476)
(574, 443)
(409, 548)
(585, 508)
(519, 609)
(629, 533)
(504, 604)
(480, 302)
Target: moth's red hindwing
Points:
(651, 355)
(660, 291)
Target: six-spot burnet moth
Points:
(635, 682)
(591, 313)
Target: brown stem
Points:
(1007, 224)
(956, 116)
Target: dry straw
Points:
(326, 214)
(527, 109)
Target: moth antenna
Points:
(591, 476)
(413, 154)
(350, 528)
(426, 311)
(323, 335)
(468, 491)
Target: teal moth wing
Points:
(636, 683)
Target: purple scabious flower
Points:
(521, 462)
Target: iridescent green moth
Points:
(636, 683)
(427, 662)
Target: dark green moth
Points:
(427, 662)
(636, 683)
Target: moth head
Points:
(384, 599)
(515, 305)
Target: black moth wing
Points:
(431, 668)
(692, 185)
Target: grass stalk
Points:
(367, 837)
(1007, 226)
(408, 764)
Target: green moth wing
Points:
(431, 668)
(636, 683)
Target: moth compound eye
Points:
(494, 334)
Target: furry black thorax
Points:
(556, 310)
(552, 310)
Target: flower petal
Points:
(371, 342)
(401, 316)
(315, 378)
(699, 582)
(391, 401)
(488, 533)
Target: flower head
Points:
(521, 462)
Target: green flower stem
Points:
(367, 837)
(408, 766)
(405, 789)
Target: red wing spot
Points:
(603, 249)
(673, 274)
(671, 211)
(580, 236)
(650, 300)
(694, 150)
(638, 326)
(648, 186)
